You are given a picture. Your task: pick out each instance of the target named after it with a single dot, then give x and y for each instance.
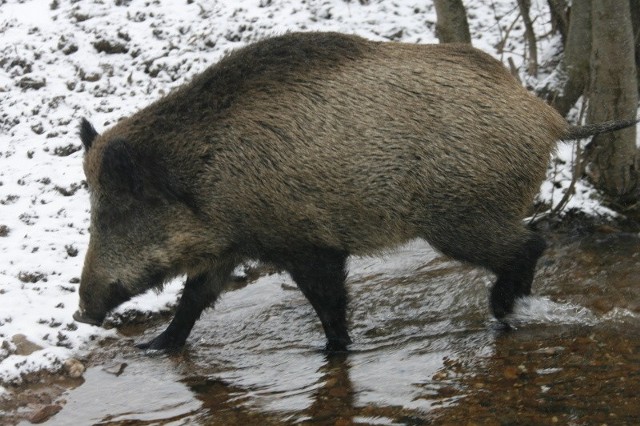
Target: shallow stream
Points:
(426, 350)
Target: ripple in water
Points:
(541, 310)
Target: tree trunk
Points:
(577, 54)
(613, 95)
(530, 36)
(452, 25)
(635, 21)
(559, 18)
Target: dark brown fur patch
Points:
(260, 67)
(142, 175)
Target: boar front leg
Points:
(320, 274)
(200, 292)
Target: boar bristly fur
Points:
(304, 149)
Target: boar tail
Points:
(582, 132)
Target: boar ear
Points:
(87, 133)
(119, 168)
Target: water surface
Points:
(425, 350)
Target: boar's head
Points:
(143, 222)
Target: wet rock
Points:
(440, 375)
(117, 369)
(44, 413)
(447, 391)
(31, 83)
(80, 17)
(513, 372)
(510, 373)
(67, 45)
(65, 151)
(71, 250)
(110, 47)
(74, 368)
(31, 277)
(6, 349)
(90, 76)
(38, 129)
(23, 345)
(550, 351)
(68, 192)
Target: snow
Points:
(60, 46)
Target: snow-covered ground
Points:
(62, 59)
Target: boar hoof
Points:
(501, 307)
(164, 342)
(81, 317)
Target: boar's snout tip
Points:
(80, 317)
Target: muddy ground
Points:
(425, 351)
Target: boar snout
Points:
(98, 299)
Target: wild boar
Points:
(303, 149)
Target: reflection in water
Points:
(572, 361)
(568, 374)
(405, 321)
(425, 349)
(333, 401)
(144, 390)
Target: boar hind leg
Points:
(320, 274)
(511, 251)
(200, 292)
(515, 278)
